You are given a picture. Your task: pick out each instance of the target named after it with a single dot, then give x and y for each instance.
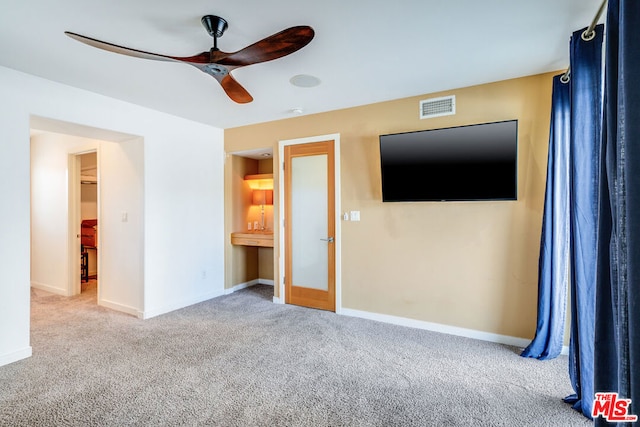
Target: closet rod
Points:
(587, 35)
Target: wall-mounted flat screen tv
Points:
(464, 163)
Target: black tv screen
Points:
(465, 163)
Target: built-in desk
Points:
(253, 238)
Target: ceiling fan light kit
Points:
(217, 63)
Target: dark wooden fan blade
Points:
(234, 90)
(202, 58)
(275, 46)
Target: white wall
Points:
(121, 226)
(182, 212)
(14, 227)
(181, 209)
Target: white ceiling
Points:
(364, 51)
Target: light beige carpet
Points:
(240, 360)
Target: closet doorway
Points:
(88, 206)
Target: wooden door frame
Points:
(338, 224)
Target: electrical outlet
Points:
(249, 226)
(255, 225)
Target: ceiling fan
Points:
(217, 63)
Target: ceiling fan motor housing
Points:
(215, 25)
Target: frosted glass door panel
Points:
(309, 254)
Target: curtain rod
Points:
(587, 35)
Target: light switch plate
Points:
(355, 215)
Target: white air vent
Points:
(436, 107)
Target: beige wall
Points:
(465, 264)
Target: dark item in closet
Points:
(88, 232)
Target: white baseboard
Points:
(152, 313)
(437, 327)
(48, 288)
(241, 286)
(277, 300)
(14, 356)
(182, 304)
(120, 307)
(248, 284)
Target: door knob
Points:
(328, 239)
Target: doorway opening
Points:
(88, 205)
(87, 214)
(250, 220)
(64, 213)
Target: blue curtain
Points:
(585, 146)
(617, 333)
(569, 244)
(604, 218)
(553, 264)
